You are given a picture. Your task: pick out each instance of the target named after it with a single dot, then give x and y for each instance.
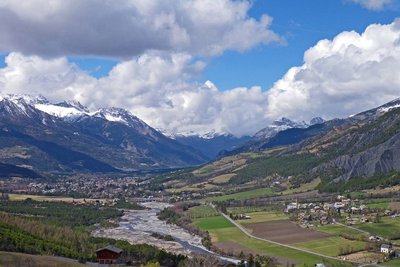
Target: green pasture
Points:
(332, 246)
(388, 228)
(202, 212)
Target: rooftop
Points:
(110, 248)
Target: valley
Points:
(329, 195)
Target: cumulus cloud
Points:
(122, 29)
(339, 77)
(155, 87)
(373, 4)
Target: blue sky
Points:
(209, 65)
(301, 22)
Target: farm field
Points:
(388, 228)
(284, 231)
(394, 206)
(332, 246)
(303, 188)
(11, 259)
(264, 216)
(229, 238)
(20, 197)
(379, 203)
(202, 212)
(245, 209)
(366, 257)
(335, 229)
(222, 178)
(260, 192)
(211, 223)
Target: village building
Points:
(109, 255)
(386, 249)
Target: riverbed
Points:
(137, 226)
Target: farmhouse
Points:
(109, 255)
(386, 249)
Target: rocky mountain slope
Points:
(65, 137)
(362, 151)
(370, 145)
(282, 132)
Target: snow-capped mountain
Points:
(205, 134)
(284, 124)
(72, 111)
(378, 111)
(67, 137)
(212, 144)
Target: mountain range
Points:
(354, 153)
(43, 139)
(65, 137)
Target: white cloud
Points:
(155, 87)
(339, 77)
(373, 4)
(54, 78)
(349, 74)
(122, 29)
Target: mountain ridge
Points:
(112, 138)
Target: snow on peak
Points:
(389, 106)
(112, 114)
(316, 120)
(119, 115)
(283, 124)
(205, 134)
(22, 104)
(60, 111)
(22, 98)
(73, 104)
(288, 123)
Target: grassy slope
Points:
(11, 259)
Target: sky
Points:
(222, 65)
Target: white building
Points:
(386, 249)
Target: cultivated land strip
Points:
(353, 228)
(241, 228)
